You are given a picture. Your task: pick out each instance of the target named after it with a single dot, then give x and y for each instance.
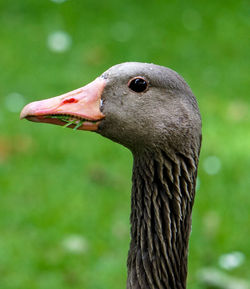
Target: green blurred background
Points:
(64, 194)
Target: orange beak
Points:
(78, 109)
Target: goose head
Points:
(139, 105)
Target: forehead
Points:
(132, 69)
(157, 75)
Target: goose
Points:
(151, 110)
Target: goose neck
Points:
(161, 205)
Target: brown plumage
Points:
(151, 110)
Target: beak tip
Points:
(22, 115)
(25, 111)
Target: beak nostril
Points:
(70, 100)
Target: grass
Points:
(68, 120)
(57, 183)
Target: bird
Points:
(151, 110)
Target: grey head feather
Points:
(166, 114)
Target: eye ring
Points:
(138, 84)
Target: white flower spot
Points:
(59, 41)
(212, 165)
(75, 244)
(231, 260)
(14, 102)
(213, 278)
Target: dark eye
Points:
(138, 84)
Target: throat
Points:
(161, 206)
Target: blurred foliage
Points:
(57, 183)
